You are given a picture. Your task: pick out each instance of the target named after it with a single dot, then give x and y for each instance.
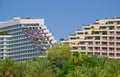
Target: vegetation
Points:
(97, 38)
(111, 27)
(62, 39)
(78, 37)
(86, 32)
(4, 33)
(72, 42)
(60, 62)
(92, 27)
(93, 32)
(104, 32)
(101, 27)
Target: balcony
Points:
(118, 49)
(112, 33)
(111, 44)
(97, 53)
(118, 28)
(97, 44)
(104, 39)
(72, 34)
(90, 53)
(118, 33)
(111, 40)
(118, 40)
(104, 44)
(104, 54)
(97, 50)
(118, 45)
(72, 38)
(104, 50)
(112, 50)
(90, 50)
(90, 43)
(74, 50)
(111, 56)
(118, 55)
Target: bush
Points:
(86, 33)
(4, 33)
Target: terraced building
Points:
(27, 38)
(101, 38)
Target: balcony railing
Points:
(111, 50)
(104, 44)
(111, 39)
(117, 33)
(97, 50)
(104, 39)
(111, 44)
(118, 39)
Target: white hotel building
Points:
(27, 38)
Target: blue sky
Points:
(62, 17)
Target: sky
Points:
(62, 17)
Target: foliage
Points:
(92, 27)
(104, 32)
(72, 34)
(60, 62)
(93, 31)
(78, 37)
(4, 33)
(111, 27)
(72, 42)
(101, 27)
(59, 54)
(86, 32)
(97, 38)
(62, 39)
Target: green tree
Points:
(59, 54)
(62, 39)
(81, 71)
(99, 70)
(22, 70)
(113, 68)
(7, 67)
(42, 68)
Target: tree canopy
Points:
(61, 62)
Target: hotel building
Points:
(101, 38)
(26, 38)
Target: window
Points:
(118, 22)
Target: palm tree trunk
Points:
(4, 73)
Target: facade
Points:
(101, 38)
(28, 38)
(4, 46)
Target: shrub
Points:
(86, 33)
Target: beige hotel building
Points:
(101, 38)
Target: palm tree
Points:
(22, 70)
(59, 54)
(77, 59)
(113, 68)
(99, 70)
(7, 67)
(81, 71)
(42, 69)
